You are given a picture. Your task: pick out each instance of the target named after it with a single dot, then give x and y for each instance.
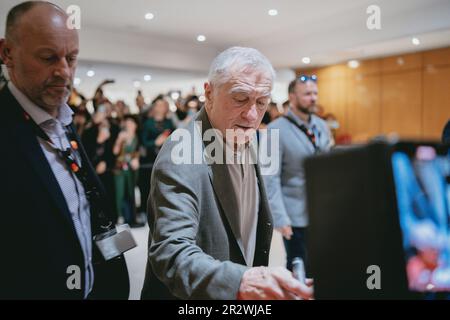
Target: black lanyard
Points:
(309, 134)
(68, 156)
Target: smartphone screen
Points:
(422, 183)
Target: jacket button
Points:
(265, 251)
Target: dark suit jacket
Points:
(38, 241)
(446, 133)
(194, 243)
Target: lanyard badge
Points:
(115, 242)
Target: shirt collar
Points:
(38, 114)
(311, 123)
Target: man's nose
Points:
(62, 69)
(251, 115)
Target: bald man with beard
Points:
(48, 222)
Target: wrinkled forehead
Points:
(251, 82)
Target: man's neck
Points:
(305, 117)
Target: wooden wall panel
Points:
(401, 63)
(364, 107)
(401, 104)
(436, 101)
(367, 67)
(333, 85)
(407, 94)
(438, 57)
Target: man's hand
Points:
(286, 232)
(264, 283)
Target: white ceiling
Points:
(117, 42)
(328, 31)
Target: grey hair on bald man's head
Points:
(238, 59)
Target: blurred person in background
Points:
(81, 120)
(274, 112)
(140, 102)
(156, 130)
(99, 143)
(302, 134)
(188, 108)
(333, 125)
(126, 150)
(122, 109)
(99, 97)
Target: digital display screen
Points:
(422, 183)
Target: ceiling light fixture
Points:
(306, 60)
(353, 64)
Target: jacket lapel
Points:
(265, 225)
(29, 145)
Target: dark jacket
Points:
(38, 241)
(446, 133)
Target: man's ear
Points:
(5, 53)
(208, 94)
(291, 97)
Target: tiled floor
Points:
(137, 259)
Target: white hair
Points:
(238, 59)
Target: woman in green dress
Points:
(126, 149)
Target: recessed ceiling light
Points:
(147, 77)
(201, 38)
(273, 12)
(90, 73)
(415, 41)
(136, 84)
(149, 16)
(76, 81)
(353, 64)
(306, 60)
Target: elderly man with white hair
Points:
(210, 224)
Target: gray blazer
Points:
(195, 251)
(286, 188)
